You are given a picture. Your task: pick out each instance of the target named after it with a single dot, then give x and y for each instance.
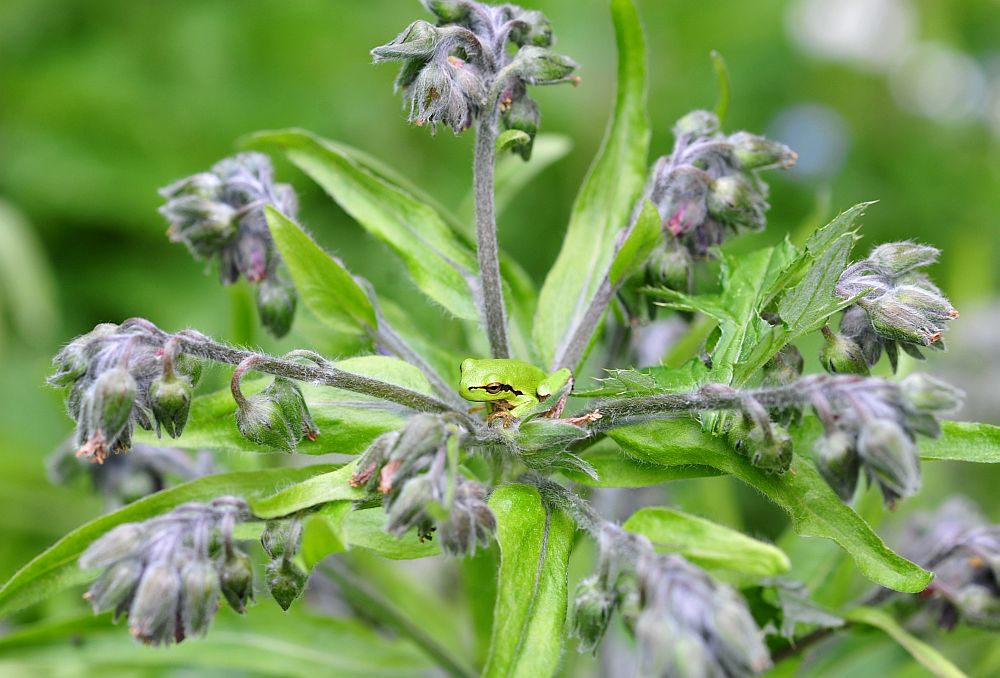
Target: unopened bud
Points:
(670, 265)
(927, 394)
(114, 588)
(838, 463)
(117, 543)
(841, 355)
(260, 420)
(409, 508)
(733, 201)
(236, 579)
(276, 538)
(900, 258)
(286, 581)
(253, 255)
(170, 399)
(449, 11)
(770, 453)
(592, 608)
(112, 398)
(276, 301)
(541, 66)
(288, 396)
(532, 28)
(417, 41)
(199, 595)
(757, 152)
(153, 615)
(891, 457)
(697, 124)
(470, 522)
(522, 115)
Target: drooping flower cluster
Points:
(685, 622)
(409, 467)
(454, 71)
(277, 417)
(871, 424)
(963, 551)
(220, 214)
(167, 573)
(899, 307)
(285, 580)
(121, 376)
(708, 189)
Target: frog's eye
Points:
(493, 388)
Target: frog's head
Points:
(484, 381)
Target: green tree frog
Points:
(511, 387)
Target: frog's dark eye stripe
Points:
(497, 387)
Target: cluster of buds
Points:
(123, 478)
(871, 424)
(708, 189)
(167, 573)
(897, 307)
(285, 579)
(220, 213)
(456, 70)
(410, 469)
(963, 550)
(277, 417)
(121, 376)
(685, 622)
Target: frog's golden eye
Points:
(493, 388)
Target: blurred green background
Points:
(104, 101)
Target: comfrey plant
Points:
(497, 451)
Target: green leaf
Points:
(366, 529)
(320, 489)
(927, 656)
(55, 569)
(323, 533)
(725, 88)
(267, 642)
(813, 507)
(512, 137)
(606, 198)
(706, 543)
(27, 284)
(440, 264)
(530, 611)
(964, 441)
(513, 174)
(641, 241)
(348, 422)
(616, 469)
(323, 283)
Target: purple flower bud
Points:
(408, 509)
(106, 415)
(891, 458)
(757, 152)
(114, 589)
(118, 543)
(531, 28)
(901, 258)
(470, 522)
(736, 202)
(697, 124)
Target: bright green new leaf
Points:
(326, 487)
(56, 569)
(813, 507)
(323, 533)
(964, 441)
(439, 263)
(366, 529)
(348, 422)
(512, 137)
(708, 544)
(606, 199)
(641, 240)
(530, 611)
(616, 469)
(323, 283)
(927, 656)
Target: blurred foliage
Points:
(102, 102)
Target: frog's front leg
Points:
(553, 383)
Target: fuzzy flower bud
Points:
(220, 214)
(286, 581)
(453, 72)
(167, 572)
(470, 522)
(841, 355)
(236, 579)
(757, 152)
(262, 421)
(170, 397)
(276, 300)
(838, 463)
(592, 608)
(899, 306)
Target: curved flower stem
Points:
(491, 301)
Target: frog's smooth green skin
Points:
(512, 387)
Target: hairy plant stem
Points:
(487, 247)
(199, 345)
